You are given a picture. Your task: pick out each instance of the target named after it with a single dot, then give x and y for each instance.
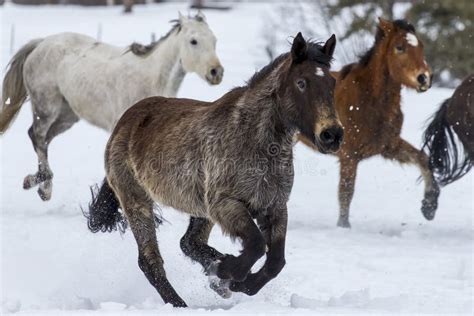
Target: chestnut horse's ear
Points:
(386, 25)
(299, 49)
(330, 45)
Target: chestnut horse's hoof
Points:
(343, 222)
(429, 205)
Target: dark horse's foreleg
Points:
(406, 153)
(274, 230)
(348, 172)
(235, 220)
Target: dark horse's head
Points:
(307, 89)
(404, 54)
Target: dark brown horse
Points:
(227, 162)
(449, 137)
(367, 100)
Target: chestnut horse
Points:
(367, 100)
(449, 137)
(226, 162)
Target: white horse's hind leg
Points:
(49, 120)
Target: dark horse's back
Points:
(449, 136)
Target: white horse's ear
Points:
(181, 17)
(200, 16)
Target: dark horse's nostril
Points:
(331, 136)
(213, 72)
(422, 79)
(327, 136)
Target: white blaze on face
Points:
(412, 39)
(319, 72)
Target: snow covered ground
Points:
(391, 261)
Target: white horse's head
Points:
(198, 48)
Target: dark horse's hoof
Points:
(430, 203)
(220, 286)
(228, 268)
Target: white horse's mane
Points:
(144, 50)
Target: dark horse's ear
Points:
(330, 45)
(299, 49)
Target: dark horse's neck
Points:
(258, 112)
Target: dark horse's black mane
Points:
(315, 53)
(379, 35)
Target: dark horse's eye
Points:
(400, 49)
(301, 83)
(193, 42)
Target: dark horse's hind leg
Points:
(194, 242)
(235, 220)
(194, 245)
(48, 122)
(138, 208)
(406, 153)
(274, 230)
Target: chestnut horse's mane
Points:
(315, 53)
(367, 56)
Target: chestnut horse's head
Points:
(404, 54)
(308, 89)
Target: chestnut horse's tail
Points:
(447, 158)
(104, 212)
(14, 91)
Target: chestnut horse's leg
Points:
(406, 153)
(235, 220)
(348, 172)
(274, 230)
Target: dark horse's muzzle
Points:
(330, 139)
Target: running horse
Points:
(367, 100)
(70, 76)
(227, 162)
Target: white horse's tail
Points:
(14, 93)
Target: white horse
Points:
(70, 76)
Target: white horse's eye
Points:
(193, 42)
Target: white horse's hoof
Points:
(45, 190)
(29, 181)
